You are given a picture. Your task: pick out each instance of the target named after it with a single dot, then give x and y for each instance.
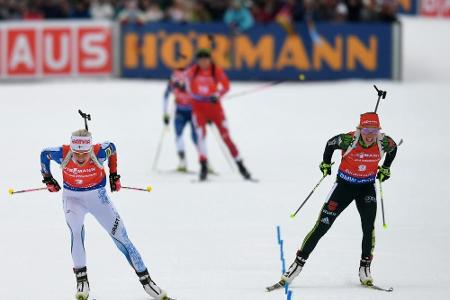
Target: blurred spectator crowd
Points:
(238, 14)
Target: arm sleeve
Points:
(390, 147)
(108, 152)
(166, 98)
(223, 80)
(189, 78)
(340, 141)
(111, 154)
(48, 154)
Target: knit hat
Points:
(369, 119)
(81, 141)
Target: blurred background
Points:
(190, 11)
(251, 40)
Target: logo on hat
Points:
(369, 119)
(81, 143)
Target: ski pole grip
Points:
(84, 115)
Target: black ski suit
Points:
(345, 190)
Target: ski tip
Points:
(376, 287)
(199, 181)
(11, 191)
(253, 180)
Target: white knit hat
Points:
(81, 141)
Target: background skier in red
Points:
(207, 84)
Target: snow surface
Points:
(217, 241)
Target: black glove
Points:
(166, 119)
(214, 99)
(325, 168)
(383, 173)
(114, 182)
(52, 184)
(179, 85)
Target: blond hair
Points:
(81, 132)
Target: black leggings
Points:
(340, 197)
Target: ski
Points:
(82, 296)
(176, 171)
(276, 286)
(224, 180)
(378, 288)
(196, 180)
(253, 180)
(187, 172)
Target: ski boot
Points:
(211, 170)
(150, 287)
(290, 274)
(295, 269)
(82, 284)
(182, 165)
(243, 170)
(364, 271)
(203, 170)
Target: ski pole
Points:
(381, 194)
(307, 198)
(222, 148)
(86, 117)
(256, 89)
(158, 149)
(264, 86)
(382, 205)
(12, 191)
(303, 203)
(381, 95)
(147, 189)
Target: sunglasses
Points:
(368, 130)
(81, 152)
(204, 55)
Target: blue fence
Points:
(320, 51)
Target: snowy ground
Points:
(217, 241)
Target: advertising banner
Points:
(322, 51)
(435, 8)
(62, 49)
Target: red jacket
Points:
(202, 84)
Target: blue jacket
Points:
(241, 18)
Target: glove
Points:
(179, 85)
(214, 99)
(52, 184)
(325, 168)
(114, 182)
(383, 173)
(166, 119)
